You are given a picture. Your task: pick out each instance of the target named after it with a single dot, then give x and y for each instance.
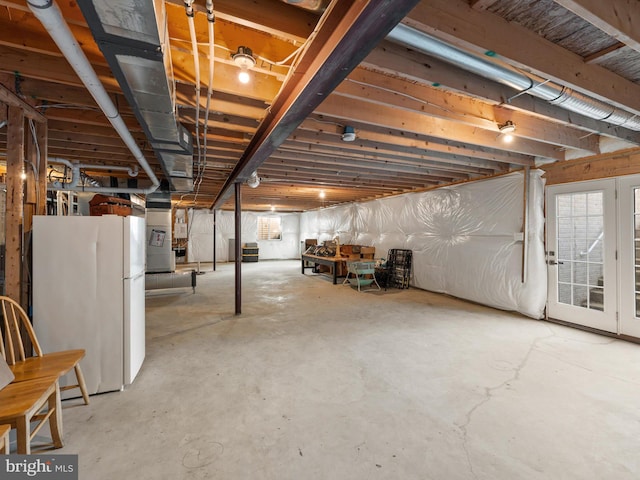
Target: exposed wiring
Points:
(410, 97)
(278, 63)
(67, 105)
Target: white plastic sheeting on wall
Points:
(200, 244)
(465, 238)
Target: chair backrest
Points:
(15, 321)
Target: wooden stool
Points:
(4, 439)
(24, 402)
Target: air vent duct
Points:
(132, 35)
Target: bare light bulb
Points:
(23, 176)
(244, 77)
(321, 194)
(507, 138)
(273, 209)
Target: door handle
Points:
(553, 262)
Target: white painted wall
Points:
(200, 244)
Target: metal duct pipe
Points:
(157, 281)
(546, 90)
(51, 18)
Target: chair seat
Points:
(32, 400)
(49, 364)
(25, 398)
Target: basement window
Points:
(269, 228)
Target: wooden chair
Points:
(41, 365)
(31, 400)
(4, 439)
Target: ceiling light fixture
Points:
(321, 194)
(273, 209)
(349, 134)
(506, 129)
(243, 58)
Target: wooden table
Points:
(333, 262)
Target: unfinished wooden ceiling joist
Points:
(420, 120)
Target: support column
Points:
(238, 247)
(214, 239)
(15, 192)
(42, 136)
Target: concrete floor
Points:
(316, 381)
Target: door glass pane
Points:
(580, 249)
(580, 296)
(564, 293)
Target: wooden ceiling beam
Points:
(362, 173)
(49, 91)
(226, 135)
(73, 129)
(49, 68)
(278, 19)
(481, 4)
(70, 10)
(12, 100)
(345, 181)
(225, 78)
(402, 141)
(387, 160)
(224, 104)
(397, 60)
(91, 117)
(234, 122)
(23, 31)
(380, 115)
(457, 23)
(55, 133)
(604, 54)
(300, 159)
(439, 103)
(617, 18)
(347, 32)
(302, 140)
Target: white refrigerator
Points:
(88, 292)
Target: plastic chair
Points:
(364, 273)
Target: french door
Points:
(629, 258)
(581, 254)
(593, 254)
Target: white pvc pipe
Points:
(196, 66)
(51, 18)
(202, 165)
(75, 178)
(132, 172)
